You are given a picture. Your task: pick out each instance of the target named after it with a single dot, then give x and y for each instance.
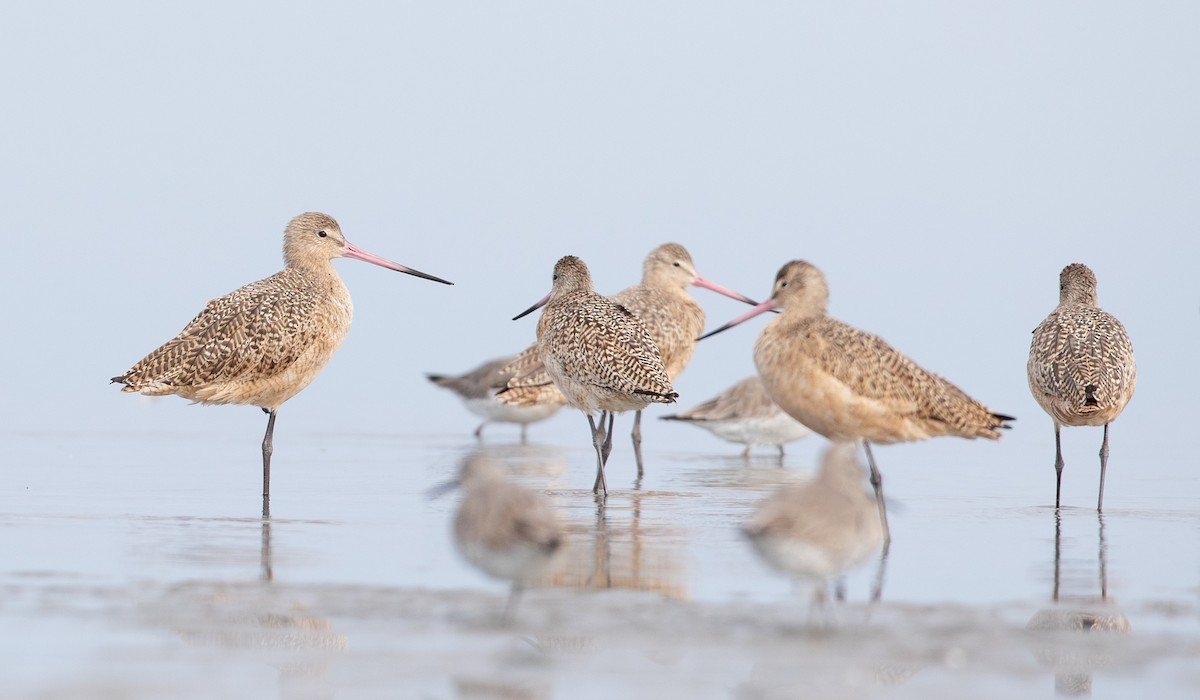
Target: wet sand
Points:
(140, 569)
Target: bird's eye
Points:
(783, 284)
(676, 264)
(556, 278)
(322, 234)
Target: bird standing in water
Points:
(849, 385)
(1081, 367)
(597, 353)
(263, 343)
(671, 316)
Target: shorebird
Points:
(820, 528)
(505, 530)
(477, 389)
(263, 343)
(597, 353)
(1081, 367)
(671, 316)
(744, 413)
(849, 385)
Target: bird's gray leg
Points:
(877, 482)
(267, 449)
(479, 431)
(637, 441)
(612, 419)
(597, 442)
(1058, 463)
(1103, 468)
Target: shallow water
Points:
(139, 567)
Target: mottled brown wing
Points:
(1082, 356)
(620, 354)
(874, 369)
(526, 369)
(673, 323)
(746, 399)
(257, 330)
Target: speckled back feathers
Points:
(1081, 364)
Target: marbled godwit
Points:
(263, 343)
(1081, 368)
(477, 389)
(821, 528)
(670, 314)
(847, 384)
(745, 414)
(597, 353)
(507, 531)
(672, 317)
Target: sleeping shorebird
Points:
(849, 385)
(506, 531)
(597, 353)
(1081, 367)
(263, 343)
(671, 316)
(477, 390)
(744, 413)
(821, 528)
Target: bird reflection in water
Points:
(1072, 655)
(257, 621)
(613, 548)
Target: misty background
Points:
(940, 161)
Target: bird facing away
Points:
(477, 390)
(744, 413)
(819, 528)
(263, 343)
(597, 353)
(849, 385)
(1081, 367)
(671, 316)
(507, 531)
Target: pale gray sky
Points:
(941, 161)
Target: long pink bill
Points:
(709, 284)
(768, 305)
(359, 254)
(541, 302)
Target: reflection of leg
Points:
(1057, 553)
(479, 431)
(1103, 559)
(877, 482)
(637, 440)
(267, 449)
(818, 611)
(880, 572)
(597, 440)
(524, 437)
(839, 589)
(1058, 463)
(510, 607)
(1103, 467)
(265, 551)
